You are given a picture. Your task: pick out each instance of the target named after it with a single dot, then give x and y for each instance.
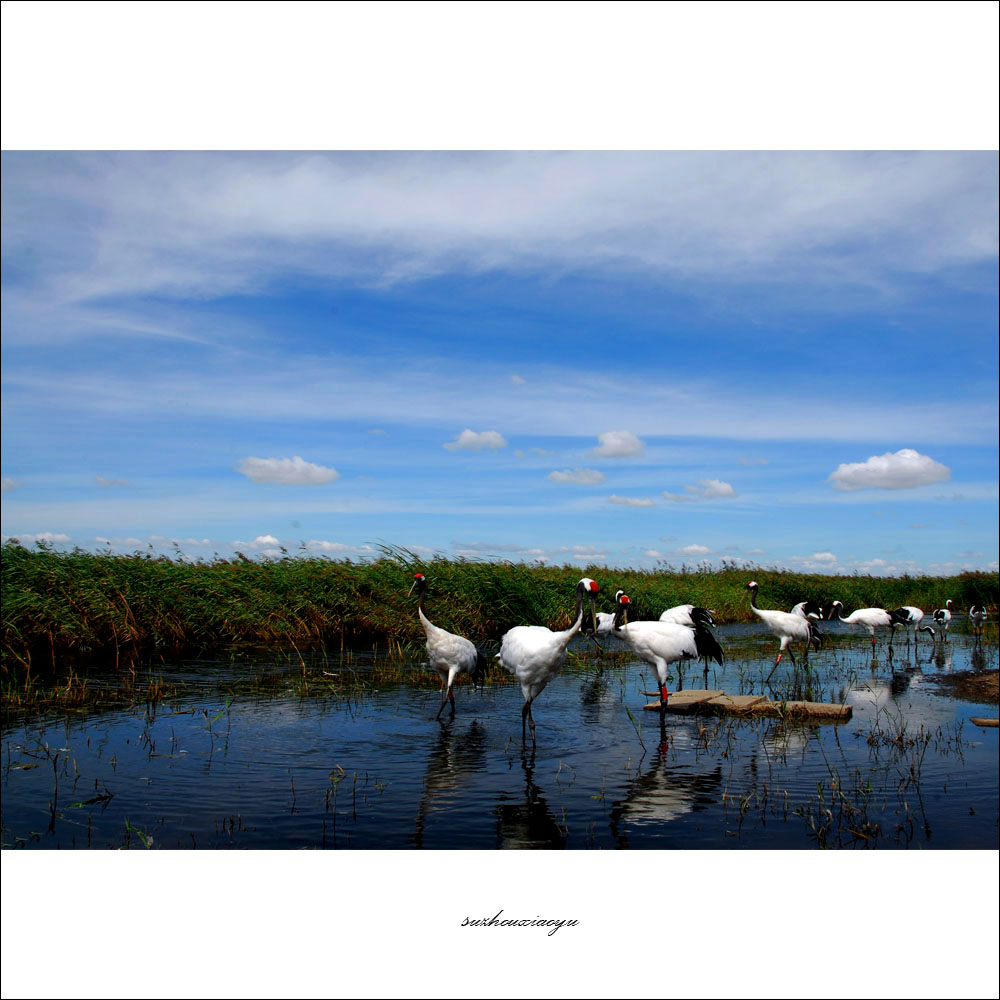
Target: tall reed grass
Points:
(58, 603)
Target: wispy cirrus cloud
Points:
(901, 470)
(707, 489)
(214, 224)
(294, 471)
(632, 501)
(341, 548)
(584, 477)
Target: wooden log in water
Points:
(720, 703)
(985, 723)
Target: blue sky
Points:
(621, 358)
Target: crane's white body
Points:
(800, 610)
(910, 619)
(605, 622)
(683, 614)
(788, 627)
(977, 616)
(869, 618)
(449, 654)
(659, 643)
(534, 654)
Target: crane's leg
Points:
(775, 667)
(526, 715)
(664, 697)
(444, 701)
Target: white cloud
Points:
(822, 562)
(477, 441)
(51, 537)
(8, 484)
(260, 542)
(631, 501)
(707, 489)
(901, 470)
(695, 550)
(581, 476)
(101, 481)
(341, 548)
(376, 430)
(618, 444)
(517, 380)
(164, 540)
(118, 543)
(286, 471)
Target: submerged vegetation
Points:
(77, 605)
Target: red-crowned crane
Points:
(661, 643)
(535, 654)
(870, 618)
(605, 620)
(688, 614)
(909, 617)
(808, 609)
(977, 617)
(942, 618)
(786, 626)
(450, 655)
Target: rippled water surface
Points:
(371, 768)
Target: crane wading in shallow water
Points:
(909, 618)
(661, 643)
(870, 618)
(977, 617)
(450, 655)
(788, 627)
(942, 618)
(534, 654)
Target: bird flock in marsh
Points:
(535, 654)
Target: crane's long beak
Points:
(412, 585)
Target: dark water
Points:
(377, 771)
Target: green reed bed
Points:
(117, 607)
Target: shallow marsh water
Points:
(321, 765)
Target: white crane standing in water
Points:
(534, 654)
(870, 618)
(788, 627)
(942, 618)
(909, 617)
(450, 654)
(662, 643)
(977, 616)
